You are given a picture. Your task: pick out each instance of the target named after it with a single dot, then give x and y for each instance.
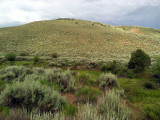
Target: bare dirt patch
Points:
(71, 98)
(137, 31)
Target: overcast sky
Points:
(115, 12)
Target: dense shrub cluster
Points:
(64, 79)
(14, 73)
(56, 76)
(139, 61)
(107, 80)
(30, 95)
(118, 69)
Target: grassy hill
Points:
(78, 38)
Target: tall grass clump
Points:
(107, 80)
(18, 114)
(31, 95)
(112, 107)
(109, 107)
(10, 56)
(89, 112)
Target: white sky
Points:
(115, 12)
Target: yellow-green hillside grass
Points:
(79, 38)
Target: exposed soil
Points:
(71, 98)
(135, 30)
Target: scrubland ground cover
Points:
(79, 70)
(78, 38)
(100, 91)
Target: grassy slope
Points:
(78, 38)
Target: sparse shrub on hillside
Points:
(36, 59)
(23, 54)
(54, 55)
(10, 56)
(153, 112)
(139, 61)
(107, 80)
(86, 94)
(31, 95)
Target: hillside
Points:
(78, 38)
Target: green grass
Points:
(135, 92)
(79, 39)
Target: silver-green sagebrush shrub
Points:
(14, 73)
(112, 107)
(64, 79)
(107, 80)
(109, 107)
(56, 76)
(31, 95)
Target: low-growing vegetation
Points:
(32, 89)
(10, 56)
(88, 94)
(107, 80)
(31, 95)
